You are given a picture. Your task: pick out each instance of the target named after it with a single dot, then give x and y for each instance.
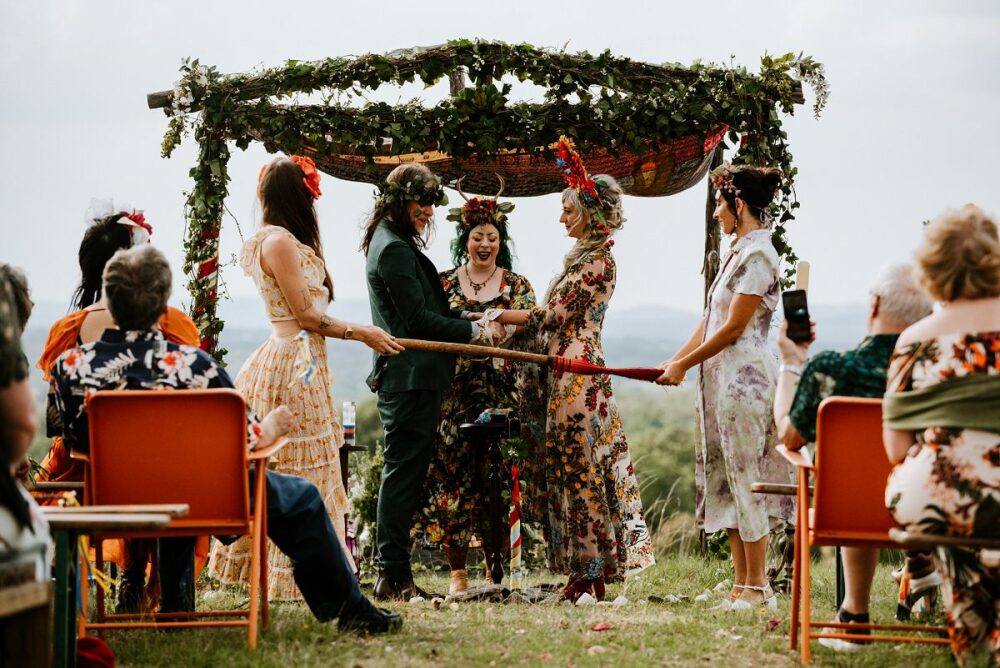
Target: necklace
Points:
(476, 287)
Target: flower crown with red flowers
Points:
(479, 210)
(308, 167)
(575, 175)
(140, 229)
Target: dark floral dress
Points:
(456, 505)
(950, 483)
(582, 474)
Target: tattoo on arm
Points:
(306, 300)
(325, 323)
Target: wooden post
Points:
(713, 235)
(457, 80)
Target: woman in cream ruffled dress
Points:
(285, 259)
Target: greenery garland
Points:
(601, 101)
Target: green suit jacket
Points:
(407, 301)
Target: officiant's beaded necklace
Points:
(476, 287)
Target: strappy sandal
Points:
(769, 600)
(731, 597)
(841, 645)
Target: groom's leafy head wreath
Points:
(410, 182)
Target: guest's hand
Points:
(791, 352)
(378, 340)
(673, 373)
(275, 424)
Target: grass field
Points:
(491, 634)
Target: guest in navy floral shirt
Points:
(136, 356)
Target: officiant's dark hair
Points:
(286, 202)
(394, 211)
(757, 186)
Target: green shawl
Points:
(967, 402)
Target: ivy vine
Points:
(601, 101)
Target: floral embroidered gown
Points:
(950, 483)
(582, 475)
(456, 505)
(267, 380)
(735, 402)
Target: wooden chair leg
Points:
(264, 595)
(99, 592)
(806, 591)
(258, 543)
(793, 631)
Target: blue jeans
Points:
(299, 525)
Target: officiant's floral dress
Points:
(269, 379)
(735, 402)
(949, 483)
(583, 478)
(456, 504)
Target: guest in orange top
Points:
(110, 231)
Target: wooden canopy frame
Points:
(243, 108)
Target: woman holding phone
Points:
(736, 380)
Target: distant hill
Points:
(640, 336)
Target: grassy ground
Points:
(485, 634)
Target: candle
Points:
(802, 276)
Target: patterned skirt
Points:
(267, 380)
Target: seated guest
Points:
(25, 548)
(110, 230)
(137, 356)
(942, 421)
(897, 301)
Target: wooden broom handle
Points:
(469, 350)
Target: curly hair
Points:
(960, 255)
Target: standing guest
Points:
(137, 357)
(586, 486)
(111, 229)
(897, 301)
(481, 279)
(285, 260)
(942, 421)
(736, 384)
(408, 301)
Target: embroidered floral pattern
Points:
(583, 480)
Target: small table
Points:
(489, 437)
(66, 529)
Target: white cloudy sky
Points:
(910, 129)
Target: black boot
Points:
(131, 593)
(365, 618)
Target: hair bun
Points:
(771, 180)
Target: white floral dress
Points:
(735, 402)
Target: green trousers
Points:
(410, 420)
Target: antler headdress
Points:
(479, 210)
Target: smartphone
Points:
(797, 315)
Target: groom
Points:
(407, 300)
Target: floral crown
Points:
(308, 167)
(575, 175)
(134, 219)
(417, 188)
(722, 178)
(479, 210)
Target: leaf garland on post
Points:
(601, 101)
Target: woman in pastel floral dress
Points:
(942, 418)
(583, 479)
(285, 259)
(482, 279)
(737, 377)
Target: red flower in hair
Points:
(311, 179)
(138, 219)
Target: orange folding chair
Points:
(850, 472)
(159, 447)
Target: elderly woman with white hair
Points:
(588, 497)
(897, 301)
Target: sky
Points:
(909, 130)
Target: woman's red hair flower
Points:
(311, 179)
